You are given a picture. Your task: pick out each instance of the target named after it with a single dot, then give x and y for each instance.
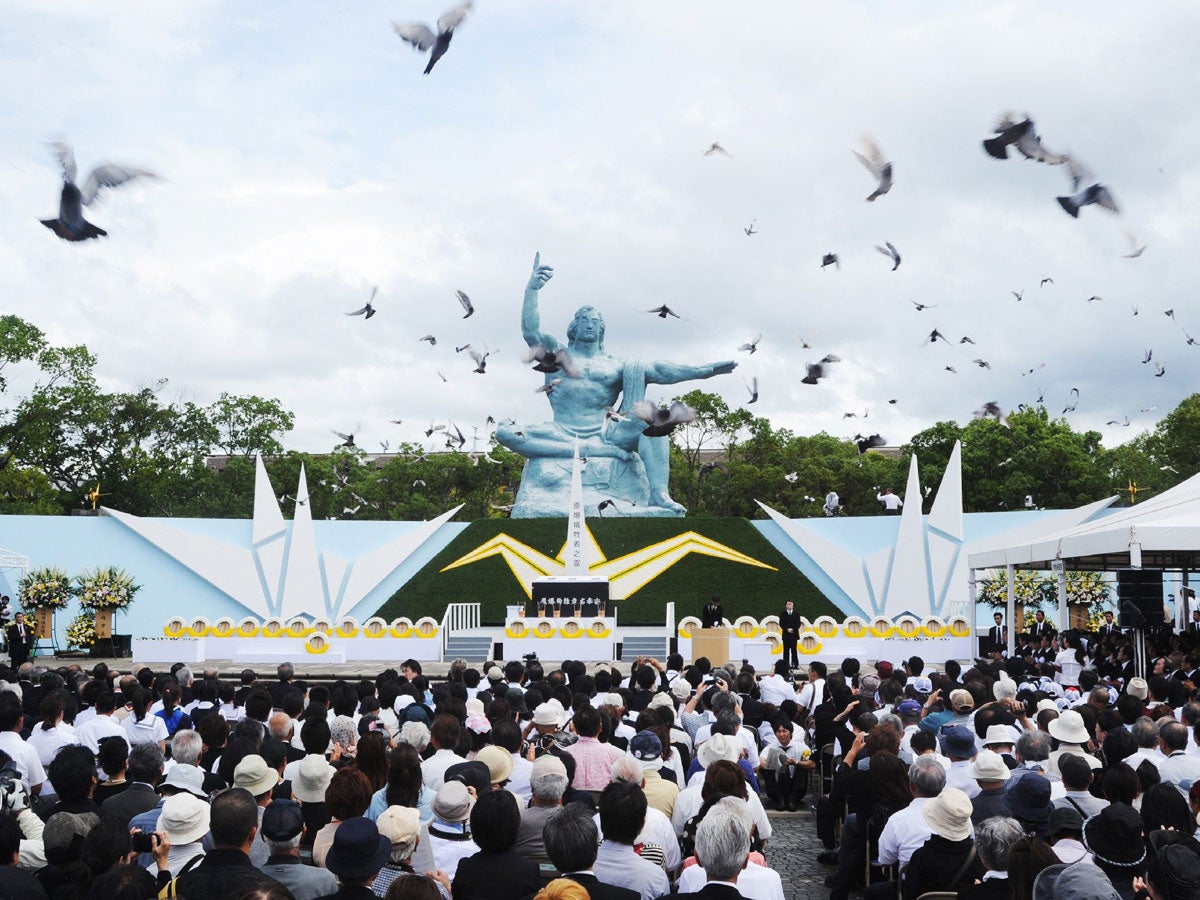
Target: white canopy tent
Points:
(1161, 533)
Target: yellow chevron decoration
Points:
(626, 574)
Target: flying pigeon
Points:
(347, 439)
(465, 301)
(1019, 133)
(752, 346)
(830, 259)
(934, 335)
(752, 387)
(443, 377)
(548, 387)
(717, 149)
(368, 310)
(663, 420)
(1046, 281)
(921, 306)
(868, 443)
(480, 358)
(1134, 308)
(951, 370)
(803, 343)
(792, 477)
(663, 311)
(1020, 295)
(429, 337)
(890, 251)
(432, 428)
(749, 229)
(551, 361)
(396, 421)
(70, 224)
(1093, 193)
(1161, 370)
(423, 39)
(880, 168)
(966, 340)
(818, 370)
(1149, 354)
(982, 363)
(1094, 298)
(992, 408)
(1136, 248)
(1170, 313)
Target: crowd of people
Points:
(510, 781)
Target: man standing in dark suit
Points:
(1109, 626)
(997, 642)
(1040, 626)
(722, 849)
(571, 839)
(1193, 627)
(20, 641)
(713, 614)
(789, 626)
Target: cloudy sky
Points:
(305, 158)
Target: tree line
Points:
(149, 451)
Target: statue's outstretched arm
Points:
(664, 372)
(531, 320)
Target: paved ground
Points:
(792, 852)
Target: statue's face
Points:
(587, 327)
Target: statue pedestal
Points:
(545, 490)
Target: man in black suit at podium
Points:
(713, 614)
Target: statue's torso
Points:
(580, 402)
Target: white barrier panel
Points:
(834, 650)
(584, 649)
(285, 649)
(168, 650)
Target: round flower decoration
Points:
(517, 629)
(224, 627)
(745, 627)
(809, 644)
(771, 623)
(934, 626)
(598, 629)
(273, 627)
(881, 627)
(571, 628)
(908, 627)
(375, 627)
(775, 640)
(318, 642)
(855, 627)
(347, 627)
(401, 627)
(426, 627)
(543, 629)
(321, 624)
(687, 625)
(176, 627)
(198, 627)
(298, 627)
(826, 626)
(959, 626)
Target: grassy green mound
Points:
(745, 590)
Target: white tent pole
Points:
(972, 612)
(1012, 609)
(1064, 617)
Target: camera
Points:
(142, 842)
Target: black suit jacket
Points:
(711, 616)
(789, 624)
(713, 891)
(19, 649)
(598, 890)
(133, 801)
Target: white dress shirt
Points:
(48, 741)
(754, 882)
(906, 832)
(91, 732)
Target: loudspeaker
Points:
(1143, 588)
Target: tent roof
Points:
(1167, 527)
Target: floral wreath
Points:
(401, 627)
(198, 627)
(745, 627)
(317, 642)
(687, 625)
(426, 627)
(934, 626)
(855, 627)
(48, 587)
(517, 629)
(825, 626)
(224, 627)
(598, 629)
(298, 628)
(571, 628)
(882, 627)
(959, 626)
(810, 644)
(375, 627)
(273, 627)
(771, 624)
(321, 624)
(908, 627)
(176, 627)
(776, 641)
(248, 627)
(347, 627)
(543, 629)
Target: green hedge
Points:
(745, 590)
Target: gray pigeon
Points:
(877, 166)
(890, 251)
(992, 409)
(465, 302)
(663, 420)
(422, 38)
(70, 224)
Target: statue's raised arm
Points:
(663, 372)
(531, 320)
